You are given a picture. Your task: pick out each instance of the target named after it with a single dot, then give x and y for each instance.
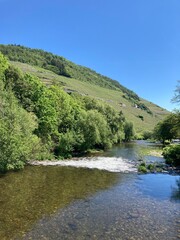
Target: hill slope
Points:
(74, 78)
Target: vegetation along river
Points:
(64, 202)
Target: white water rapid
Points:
(111, 164)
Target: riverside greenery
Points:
(172, 154)
(40, 122)
(169, 129)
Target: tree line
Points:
(40, 122)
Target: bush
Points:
(143, 164)
(151, 167)
(172, 154)
(142, 169)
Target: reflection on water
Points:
(35, 192)
(81, 204)
(133, 151)
(125, 150)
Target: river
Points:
(63, 202)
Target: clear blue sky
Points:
(136, 42)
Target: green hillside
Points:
(52, 69)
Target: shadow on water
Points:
(29, 195)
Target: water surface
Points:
(56, 202)
(126, 210)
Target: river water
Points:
(63, 202)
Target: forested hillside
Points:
(56, 70)
(41, 122)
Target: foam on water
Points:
(111, 164)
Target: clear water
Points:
(77, 203)
(133, 151)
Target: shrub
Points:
(151, 167)
(143, 164)
(142, 169)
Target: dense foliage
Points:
(33, 114)
(17, 141)
(168, 128)
(129, 131)
(61, 66)
(147, 135)
(172, 154)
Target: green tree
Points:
(176, 123)
(17, 141)
(176, 98)
(166, 129)
(35, 97)
(114, 119)
(46, 111)
(128, 131)
(96, 130)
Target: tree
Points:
(17, 141)
(129, 131)
(166, 129)
(176, 123)
(96, 131)
(114, 119)
(176, 98)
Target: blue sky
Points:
(136, 42)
